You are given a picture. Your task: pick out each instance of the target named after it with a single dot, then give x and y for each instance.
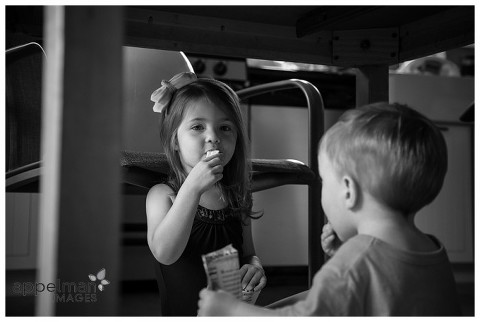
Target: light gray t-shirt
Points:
(368, 277)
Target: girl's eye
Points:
(227, 128)
(197, 127)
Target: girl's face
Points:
(205, 127)
(333, 199)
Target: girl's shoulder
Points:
(161, 188)
(160, 191)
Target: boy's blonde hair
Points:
(393, 152)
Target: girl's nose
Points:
(212, 137)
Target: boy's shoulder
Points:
(354, 248)
(363, 249)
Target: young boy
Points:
(380, 164)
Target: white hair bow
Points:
(163, 95)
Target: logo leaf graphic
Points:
(101, 278)
(101, 274)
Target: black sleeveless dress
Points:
(180, 283)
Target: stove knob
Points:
(199, 66)
(220, 68)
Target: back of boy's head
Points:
(393, 152)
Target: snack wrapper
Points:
(222, 269)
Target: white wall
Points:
(439, 98)
(444, 99)
(280, 236)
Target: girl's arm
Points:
(248, 247)
(169, 223)
(253, 275)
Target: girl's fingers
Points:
(217, 169)
(247, 277)
(212, 157)
(243, 270)
(253, 277)
(254, 281)
(214, 162)
(261, 285)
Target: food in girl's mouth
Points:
(212, 152)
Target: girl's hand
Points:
(253, 277)
(216, 303)
(206, 173)
(330, 240)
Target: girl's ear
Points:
(175, 142)
(351, 192)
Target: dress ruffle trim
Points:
(214, 216)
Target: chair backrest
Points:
(23, 80)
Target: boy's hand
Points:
(253, 277)
(330, 241)
(216, 303)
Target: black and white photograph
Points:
(239, 159)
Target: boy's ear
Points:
(351, 193)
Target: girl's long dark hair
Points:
(236, 182)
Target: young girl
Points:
(206, 203)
